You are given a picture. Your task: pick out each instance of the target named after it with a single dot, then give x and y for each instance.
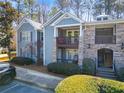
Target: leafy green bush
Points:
(120, 73)
(89, 84)
(64, 68)
(89, 66)
(22, 61)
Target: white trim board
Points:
(49, 20)
(65, 16)
(44, 63)
(69, 25)
(105, 22)
(25, 20)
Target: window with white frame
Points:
(26, 36)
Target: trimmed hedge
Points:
(22, 61)
(89, 66)
(120, 73)
(89, 84)
(64, 68)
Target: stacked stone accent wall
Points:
(80, 50)
(118, 53)
(89, 38)
(54, 51)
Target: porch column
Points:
(80, 49)
(17, 43)
(54, 50)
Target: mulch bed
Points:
(40, 68)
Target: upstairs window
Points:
(26, 36)
(105, 18)
(99, 19)
(104, 36)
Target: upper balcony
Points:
(67, 42)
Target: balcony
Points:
(67, 42)
(105, 39)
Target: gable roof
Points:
(53, 18)
(114, 21)
(59, 16)
(67, 15)
(36, 25)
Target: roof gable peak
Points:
(35, 25)
(67, 15)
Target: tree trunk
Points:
(9, 53)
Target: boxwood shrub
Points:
(89, 84)
(64, 68)
(89, 66)
(22, 61)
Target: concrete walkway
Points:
(37, 78)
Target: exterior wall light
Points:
(88, 46)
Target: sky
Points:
(49, 2)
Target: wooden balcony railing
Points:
(68, 42)
(105, 39)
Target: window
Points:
(98, 19)
(104, 36)
(76, 33)
(26, 36)
(105, 18)
(69, 33)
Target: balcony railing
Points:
(68, 42)
(105, 39)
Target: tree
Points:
(104, 6)
(118, 9)
(63, 4)
(19, 7)
(42, 11)
(114, 8)
(77, 6)
(29, 7)
(7, 15)
(53, 11)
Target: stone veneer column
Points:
(54, 50)
(81, 46)
(118, 52)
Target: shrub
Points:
(89, 84)
(64, 68)
(22, 61)
(120, 73)
(89, 66)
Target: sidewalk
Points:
(37, 78)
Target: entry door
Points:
(105, 58)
